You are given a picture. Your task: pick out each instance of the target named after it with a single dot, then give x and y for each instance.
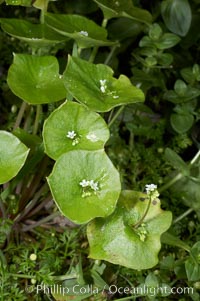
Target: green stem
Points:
(183, 215)
(107, 60)
(93, 54)
(37, 119)
(75, 50)
(22, 276)
(144, 215)
(20, 115)
(95, 49)
(116, 115)
(43, 11)
(3, 209)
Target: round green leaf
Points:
(84, 31)
(116, 240)
(36, 79)
(13, 154)
(177, 15)
(90, 130)
(94, 86)
(181, 123)
(81, 204)
(123, 8)
(36, 35)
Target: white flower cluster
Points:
(103, 86)
(93, 185)
(83, 33)
(151, 189)
(104, 89)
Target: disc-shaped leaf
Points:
(36, 35)
(36, 79)
(123, 8)
(177, 15)
(118, 240)
(13, 154)
(72, 126)
(94, 86)
(85, 185)
(84, 31)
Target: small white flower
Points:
(103, 89)
(71, 134)
(102, 82)
(94, 185)
(83, 33)
(150, 188)
(115, 96)
(85, 183)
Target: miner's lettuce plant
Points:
(87, 98)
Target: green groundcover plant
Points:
(99, 150)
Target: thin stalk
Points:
(29, 192)
(22, 276)
(75, 50)
(144, 215)
(171, 182)
(95, 49)
(40, 206)
(3, 209)
(31, 204)
(107, 60)
(195, 158)
(116, 115)
(37, 119)
(27, 121)
(42, 221)
(93, 54)
(183, 215)
(43, 11)
(20, 115)
(179, 175)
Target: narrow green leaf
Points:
(94, 86)
(176, 161)
(192, 264)
(177, 15)
(115, 239)
(81, 203)
(36, 79)
(13, 154)
(36, 35)
(172, 240)
(123, 8)
(90, 130)
(84, 31)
